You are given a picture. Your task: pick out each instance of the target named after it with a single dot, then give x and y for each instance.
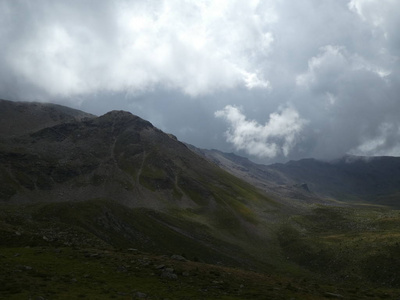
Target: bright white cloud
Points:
(196, 47)
(253, 81)
(276, 137)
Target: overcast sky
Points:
(273, 80)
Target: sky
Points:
(273, 80)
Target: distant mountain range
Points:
(72, 179)
(373, 180)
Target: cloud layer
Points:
(81, 47)
(289, 79)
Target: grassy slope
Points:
(353, 244)
(61, 250)
(102, 223)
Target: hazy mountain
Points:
(277, 184)
(372, 179)
(351, 178)
(23, 117)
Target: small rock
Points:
(186, 274)
(332, 295)
(169, 275)
(139, 295)
(159, 267)
(178, 257)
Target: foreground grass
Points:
(72, 273)
(84, 251)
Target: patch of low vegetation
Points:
(358, 244)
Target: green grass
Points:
(346, 247)
(357, 244)
(68, 251)
(103, 223)
(67, 273)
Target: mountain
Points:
(134, 208)
(103, 164)
(374, 180)
(290, 191)
(369, 179)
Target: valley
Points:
(112, 207)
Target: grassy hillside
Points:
(353, 244)
(100, 249)
(103, 224)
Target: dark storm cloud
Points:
(274, 79)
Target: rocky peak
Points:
(118, 114)
(123, 119)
